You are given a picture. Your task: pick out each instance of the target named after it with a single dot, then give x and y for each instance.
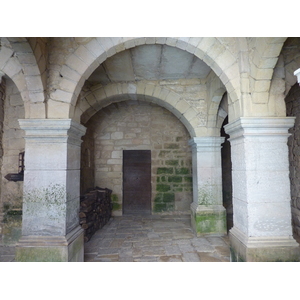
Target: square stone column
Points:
(262, 228)
(50, 224)
(208, 216)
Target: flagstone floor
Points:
(154, 238)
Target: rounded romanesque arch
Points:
(103, 96)
(80, 64)
(214, 110)
(263, 57)
(18, 62)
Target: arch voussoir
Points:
(104, 95)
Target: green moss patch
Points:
(172, 162)
(163, 188)
(165, 170)
(182, 171)
(174, 179)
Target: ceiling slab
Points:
(150, 62)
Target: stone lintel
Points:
(52, 248)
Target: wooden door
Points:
(136, 181)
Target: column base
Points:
(208, 219)
(262, 249)
(69, 248)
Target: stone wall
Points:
(134, 125)
(293, 109)
(12, 144)
(87, 165)
(2, 97)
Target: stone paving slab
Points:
(148, 239)
(155, 239)
(7, 254)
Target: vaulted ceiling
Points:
(150, 62)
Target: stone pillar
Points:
(50, 225)
(208, 216)
(262, 228)
(2, 97)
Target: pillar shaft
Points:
(208, 213)
(50, 225)
(262, 228)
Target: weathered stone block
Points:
(182, 171)
(208, 220)
(174, 179)
(173, 162)
(168, 197)
(165, 170)
(162, 188)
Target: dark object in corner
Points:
(18, 176)
(95, 210)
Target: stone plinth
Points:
(261, 190)
(51, 191)
(208, 216)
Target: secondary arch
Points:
(103, 96)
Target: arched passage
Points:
(12, 145)
(138, 125)
(162, 96)
(19, 63)
(88, 56)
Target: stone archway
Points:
(90, 54)
(18, 62)
(12, 145)
(140, 125)
(232, 65)
(292, 100)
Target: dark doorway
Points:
(226, 176)
(136, 182)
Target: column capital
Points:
(206, 143)
(52, 130)
(253, 126)
(297, 74)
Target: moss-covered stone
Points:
(158, 198)
(116, 206)
(41, 254)
(172, 162)
(188, 179)
(182, 171)
(163, 188)
(12, 227)
(164, 153)
(165, 170)
(115, 202)
(160, 207)
(163, 179)
(174, 179)
(114, 198)
(210, 223)
(168, 197)
(172, 146)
